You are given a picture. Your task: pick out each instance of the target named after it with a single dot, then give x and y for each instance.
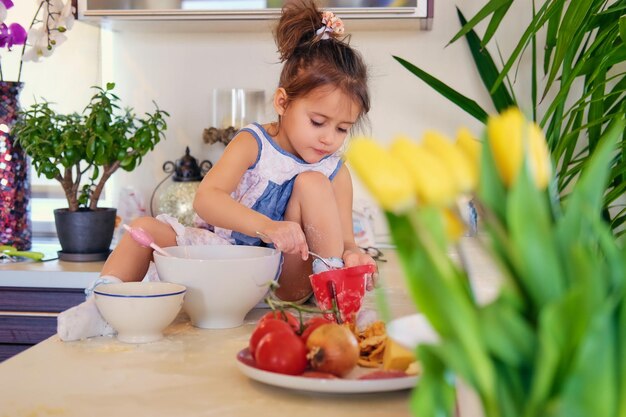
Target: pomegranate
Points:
(332, 348)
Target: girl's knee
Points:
(145, 222)
(162, 233)
(312, 181)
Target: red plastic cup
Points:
(349, 286)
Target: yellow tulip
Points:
(505, 133)
(459, 166)
(471, 148)
(538, 156)
(386, 179)
(432, 182)
(512, 138)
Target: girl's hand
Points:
(287, 237)
(355, 257)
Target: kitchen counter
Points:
(191, 372)
(49, 274)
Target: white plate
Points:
(410, 331)
(337, 386)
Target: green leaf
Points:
(595, 112)
(616, 7)
(428, 294)
(507, 334)
(562, 324)
(530, 228)
(511, 390)
(533, 71)
(551, 35)
(467, 104)
(127, 161)
(436, 394)
(569, 32)
(587, 196)
(486, 68)
(440, 291)
(489, 8)
(600, 63)
(546, 11)
(622, 28)
(590, 389)
(616, 91)
(621, 346)
(95, 173)
(91, 147)
(495, 21)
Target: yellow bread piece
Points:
(397, 357)
(414, 368)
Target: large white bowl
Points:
(224, 282)
(139, 311)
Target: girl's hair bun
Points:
(299, 26)
(316, 54)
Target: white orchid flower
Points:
(66, 17)
(37, 45)
(56, 39)
(52, 19)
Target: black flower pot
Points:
(85, 235)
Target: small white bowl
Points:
(139, 311)
(224, 282)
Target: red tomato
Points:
(312, 324)
(264, 327)
(281, 352)
(285, 316)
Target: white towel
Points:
(84, 320)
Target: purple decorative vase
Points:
(15, 224)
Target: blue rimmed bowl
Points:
(139, 311)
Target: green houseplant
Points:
(582, 89)
(82, 152)
(553, 341)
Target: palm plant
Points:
(583, 93)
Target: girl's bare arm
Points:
(213, 201)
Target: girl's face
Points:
(316, 125)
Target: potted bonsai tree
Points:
(82, 151)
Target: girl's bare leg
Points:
(129, 261)
(314, 206)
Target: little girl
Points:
(281, 183)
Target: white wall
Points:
(179, 69)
